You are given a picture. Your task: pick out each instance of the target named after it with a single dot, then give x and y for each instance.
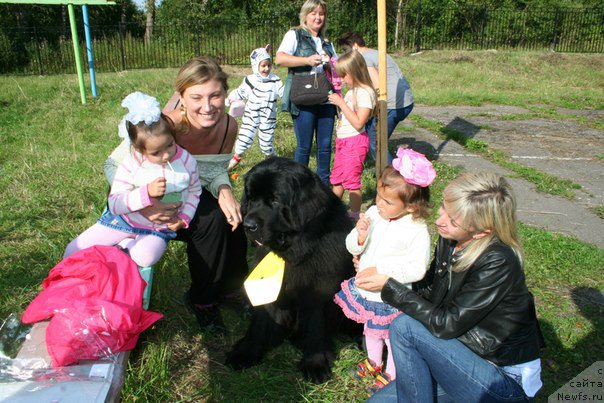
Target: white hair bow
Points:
(141, 108)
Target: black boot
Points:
(208, 316)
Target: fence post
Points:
(38, 53)
(555, 31)
(418, 26)
(121, 30)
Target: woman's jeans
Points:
(394, 117)
(431, 369)
(319, 119)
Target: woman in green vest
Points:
(304, 50)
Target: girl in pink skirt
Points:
(391, 238)
(352, 142)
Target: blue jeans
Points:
(111, 220)
(394, 117)
(319, 119)
(431, 369)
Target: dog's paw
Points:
(317, 368)
(240, 359)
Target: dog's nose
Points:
(250, 225)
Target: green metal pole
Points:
(76, 52)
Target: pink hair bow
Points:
(414, 167)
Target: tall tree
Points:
(150, 9)
(401, 22)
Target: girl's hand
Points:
(157, 188)
(335, 99)
(175, 226)
(362, 227)
(161, 213)
(370, 280)
(230, 206)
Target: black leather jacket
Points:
(487, 307)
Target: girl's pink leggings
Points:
(145, 250)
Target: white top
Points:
(129, 187)
(211, 168)
(398, 248)
(289, 44)
(355, 98)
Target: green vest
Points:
(306, 47)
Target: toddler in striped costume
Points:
(155, 169)
(260, 90)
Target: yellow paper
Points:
(264, 282)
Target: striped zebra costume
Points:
(260, 93)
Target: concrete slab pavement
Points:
(556, 214)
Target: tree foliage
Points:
(192, 11)
(34, 15)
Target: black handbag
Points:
(310, 89)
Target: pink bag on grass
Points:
(94, 300)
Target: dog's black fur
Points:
(288, 210)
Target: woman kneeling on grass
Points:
(469, 332)
(216, 243)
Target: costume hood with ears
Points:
(257, 56)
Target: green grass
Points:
(599, 210)
(506, 78)
(53, 188)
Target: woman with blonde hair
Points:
(469, 330)
(216, 243)
(304, 50)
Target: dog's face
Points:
(280, 198)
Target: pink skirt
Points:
(376, 315)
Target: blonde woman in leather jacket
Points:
(469, 332)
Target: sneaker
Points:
(208, 316)
(366, 368)
(381, 380)
(233, 162)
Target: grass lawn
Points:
(53, 188)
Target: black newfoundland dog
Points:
(289, 211)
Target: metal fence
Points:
(49, 50)
(561, 30)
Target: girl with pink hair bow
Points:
(392, 239)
